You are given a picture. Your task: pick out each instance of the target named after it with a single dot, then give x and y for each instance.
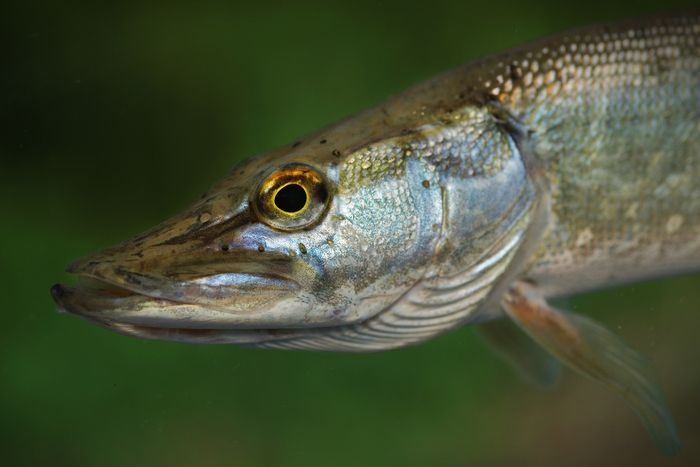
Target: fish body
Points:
(621, 151)
(569, 164)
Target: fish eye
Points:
(292, 197)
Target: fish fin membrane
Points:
(532, 363)
(596, 352)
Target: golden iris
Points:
(292, 197)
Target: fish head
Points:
(301, 238)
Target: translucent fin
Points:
(531, 361)
(591, 349)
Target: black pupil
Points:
(291, 198)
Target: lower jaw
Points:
(197, 335)
(68, 300)
(192, 335)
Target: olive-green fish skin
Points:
(614, 115)
(572, 162)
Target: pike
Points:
(570, 164)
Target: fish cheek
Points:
(383, 234)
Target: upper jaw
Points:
(222, 300)
(190, 288)
(190, 279)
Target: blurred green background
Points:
(114, 117)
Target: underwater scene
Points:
(117, 116)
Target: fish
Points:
(566, 165)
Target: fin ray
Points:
(594, 351)
(534, 364)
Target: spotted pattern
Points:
(613, 114)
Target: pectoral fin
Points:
(591, 349)
(530, 360)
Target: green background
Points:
(113, 117)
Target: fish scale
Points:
(614, 113)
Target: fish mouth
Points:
(80, 300)
(249, 306)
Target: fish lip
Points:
(203, 335)
(161, 289)
(68, 298)
(114, 297)
(61, 295)
(191, 291)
